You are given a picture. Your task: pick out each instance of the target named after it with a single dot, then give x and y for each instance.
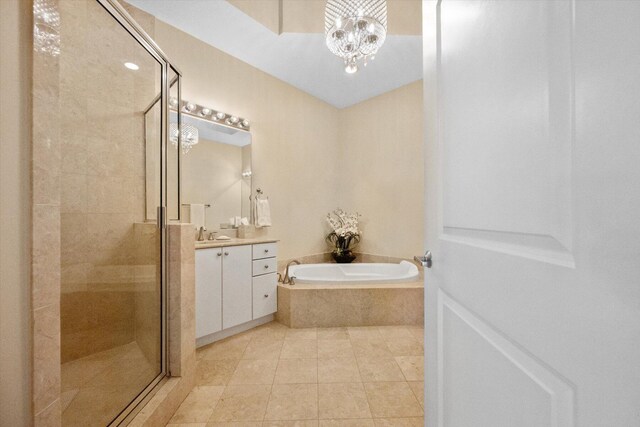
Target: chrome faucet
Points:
(201, 234)
(288, 280)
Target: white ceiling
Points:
(300, 59)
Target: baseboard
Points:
(225, 333)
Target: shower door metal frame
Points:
(139, 35)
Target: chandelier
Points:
(187, 139)
(355, 29)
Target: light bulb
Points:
(190, 107)
(205, 112)
(245, 123)
(173, 102)
(220, 115)
(351, 67)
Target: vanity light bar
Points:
(206, 113)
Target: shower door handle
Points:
(161, 217)
(425, 260)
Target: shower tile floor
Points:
(95, 388)
(276, 376)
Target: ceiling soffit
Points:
(307, 16)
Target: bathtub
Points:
(367, 294)
(359, 273)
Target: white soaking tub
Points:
(367, 294)
(354, 273)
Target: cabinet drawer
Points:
(264, 266)
(265, 250)
(265, 295)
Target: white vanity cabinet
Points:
(208, 291)
(265, 280)
(235, 284)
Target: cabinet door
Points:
(236, 285)
(208, 291)
(265, 297)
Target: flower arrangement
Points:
(345, 235)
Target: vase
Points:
(343, 257)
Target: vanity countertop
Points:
(233, 242)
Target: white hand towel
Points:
(196, 215)
(263, 213)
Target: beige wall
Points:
(382, 170)
(15, 212)
(267, 12)
(310, 157)
(294, 135)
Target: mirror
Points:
(216, 172)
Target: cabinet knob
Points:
(266, 267)
(266, 295)
(226, 254)
(266, 251)
(219, 254)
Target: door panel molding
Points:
(507, 165)
(560, 392)
(539, 247)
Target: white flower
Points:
(343, 223)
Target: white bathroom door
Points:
(533, 213)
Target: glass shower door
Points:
(112, 255)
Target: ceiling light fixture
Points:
(132, 66)
(355, 29)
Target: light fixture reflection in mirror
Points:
(247, 174)
(188, 139)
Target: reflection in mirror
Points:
(216, 172)
(173, 156)
(152, 117)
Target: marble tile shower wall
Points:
(107, 272)
(45, 232)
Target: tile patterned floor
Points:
(95, 388)
(276, 376)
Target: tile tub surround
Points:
(305, 305)
(350, 304)
(314, 376)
